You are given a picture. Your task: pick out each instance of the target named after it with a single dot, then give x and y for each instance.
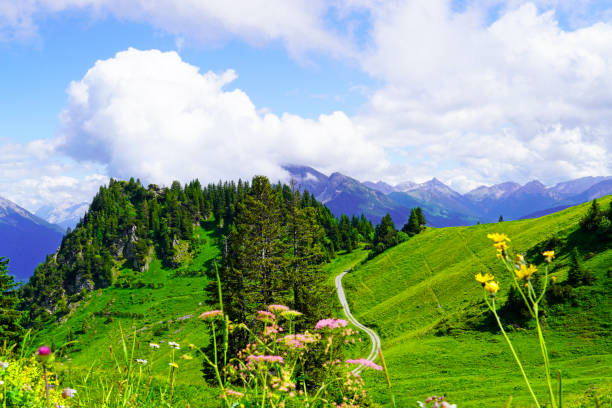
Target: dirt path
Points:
(373, 336)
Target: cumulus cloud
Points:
(482, 93)
(150, 115)
(519, 98)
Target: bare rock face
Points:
(128, 250)
(80, 284)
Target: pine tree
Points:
(255, 262)
(412, 226)
(385, 235)
(10, 328)
(578, 275)
(592, 218)
(421, 218)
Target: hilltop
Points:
(437, 335)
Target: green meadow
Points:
(438, 336)
(420, 296)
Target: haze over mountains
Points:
(442, 205)
(26, 238)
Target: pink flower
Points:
(266, 316)
(278, 308)
(44, 351)
(231, 393)
(265, 358)
(367, 363)
(330, 323)
(211, 313)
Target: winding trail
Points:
(373, 336)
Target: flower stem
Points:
(46, 385)
(545, 356)
(518, 361)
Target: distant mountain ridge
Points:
(442, 205)
(66, 216)
(25, 238)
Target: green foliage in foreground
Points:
(438, 338)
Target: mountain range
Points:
(25, 239)
(442, 205)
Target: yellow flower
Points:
(491, 287)
(497, 238)
(553, 279)
(483, 279)
(549, 255)
(173, 365)
(525, 271)
(520, 258)
(186, 357)
(501, 246)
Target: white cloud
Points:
(298, 24)
(33, 175)
(480, 103)
(150, 115)
(469, 100)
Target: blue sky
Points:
(470, 92)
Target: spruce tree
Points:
(412, 226)
(385, 235)
(578, 275)
(592, 218)
(10, 328)
(421, 218)
(255, 263)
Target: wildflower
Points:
(520, 258)
(68, 392)
(367, 363)
(186, 357)
(553, 279)
(44, 351)
(154, 345)
(278, 308)
(211, 313)
(141, 361)
(173, 364)
(330, 323)
(265, 316)
(44, 354)
(497, 238)
(4, 365)
(549, 255)
(491, 287)
(270, 330)
(265, 358)
(525, 271)
(231, 393)
(174, 344)
(192, 346)
(290, 314)
(1, 382)
(483, 278)
(501, 246)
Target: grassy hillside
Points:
(158, 306)
(437, 335)
(420, 296)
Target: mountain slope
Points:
(422, 299)
(25, 239)
(345, 195)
